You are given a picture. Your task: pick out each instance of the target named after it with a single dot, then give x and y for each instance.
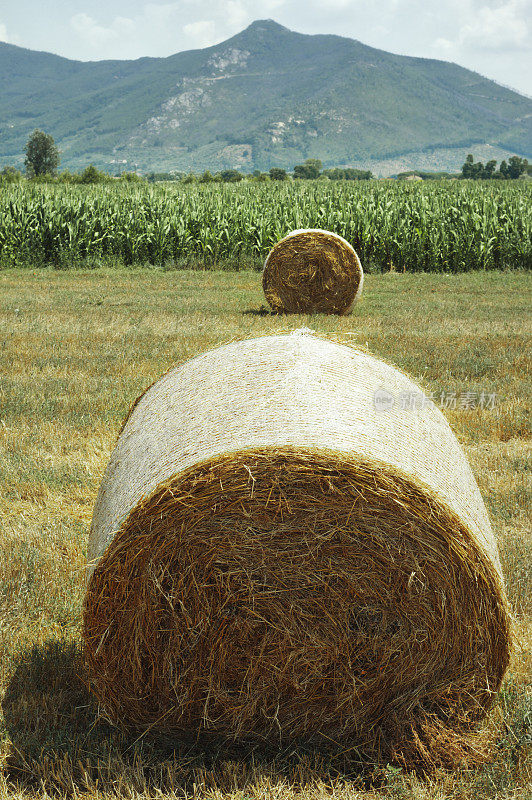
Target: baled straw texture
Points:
(312, 272)
(273, 556)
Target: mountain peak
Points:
(263, 30)
(269, 25)
(260, 35)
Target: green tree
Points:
(153, 177)
(68, 177)
(10, 175)
(489, 169)
(314, 166)
(91, 175)
(516, 166)
(42, 156)
(207, 177)
(131, 177)
(309, 170)
(466, 166)
(347, 174)
(231, 175)
(278, 174)
(472, 170)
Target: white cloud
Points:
(122, 31)
(6, 37)
(338, 5)
(445, 46)
(201, 33)
(161, 28)
(494, 28)
(92, 33)
(124, 26)
(501, 28)
(156, 14)
(237, 14)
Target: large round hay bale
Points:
(312, 272)
(283, 547)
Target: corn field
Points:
(442, 227)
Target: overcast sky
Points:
(493, 37)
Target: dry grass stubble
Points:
(111, 335)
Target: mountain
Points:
(267, 96)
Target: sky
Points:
(493, 37)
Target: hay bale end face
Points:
(312, 272)
(275, 556)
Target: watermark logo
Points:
(384, 400)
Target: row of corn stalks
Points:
(441, 227)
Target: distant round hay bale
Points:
(312, 272)
(282, 549)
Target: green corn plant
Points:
(430, 226)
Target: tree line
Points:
(42, 161)
(310, 170)
(511, 170)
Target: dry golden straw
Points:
(312, 272)
(281, 550)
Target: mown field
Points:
(430, 226)
(76, 349)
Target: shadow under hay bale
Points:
(47, 711)
(274, 556)
(60, 745)
(312, 272)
